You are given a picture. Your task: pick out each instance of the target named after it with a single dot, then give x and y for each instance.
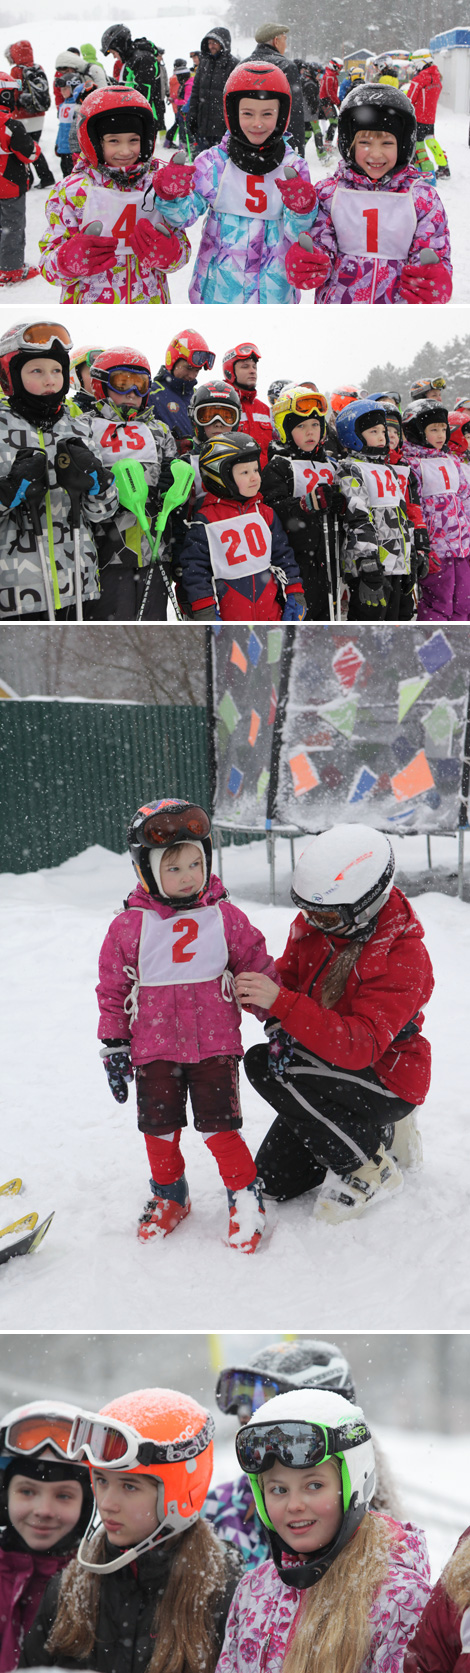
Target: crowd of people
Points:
(138, 494)
(374, 231)
(115, 1554)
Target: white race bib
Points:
(66, 111)
(118, 212)
(190, 947)
(382, 224)
(239, 546)
(118, 440)
(402, 473)
(381, 483)
(250, 194)
(440, 476)
(308, 476)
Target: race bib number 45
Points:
(239, 546)
(117, 441)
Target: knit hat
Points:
(268, 31)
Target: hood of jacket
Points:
(223, 36)
(21, 52)
(230, 507)
(215, 892)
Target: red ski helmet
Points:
(120, 360)
(30, 341)
(114, 103)
(10, 91)
(459, 425)
(256, 80)
(242, 351)
(190, 346)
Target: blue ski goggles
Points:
(246, 1389)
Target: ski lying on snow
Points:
(12, 1188)
(27, 1244)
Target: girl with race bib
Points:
(298, 483)
(377, 550)
(381, 233)
(444, 491)
(123, 429)
(108, 241)
(236, 562)
(254, 212)
(168, 1013)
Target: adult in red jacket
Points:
(241, 368)
(441, 1643)
(424, 91)
(33, 100)
(346, 1061)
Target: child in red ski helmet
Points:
(125, 429)
(108, 241)
(168, 1012)
(152, 1585)
(45, 1506)
(255, 213)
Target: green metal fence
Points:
(71, 774)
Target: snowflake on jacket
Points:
(241, 258)
(346, 226)
(444, 492)
(128, 280)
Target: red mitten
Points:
(173, 180)
(82, 256)
(425, 284)
(149, 243)
(306, 268)
(297, 194)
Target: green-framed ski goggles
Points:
(296, 1445)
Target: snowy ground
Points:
(405, 1265)
(179, 33)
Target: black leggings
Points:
(327, 1118)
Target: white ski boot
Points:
(346, 1198)
(247, 1217)
(407, 1144)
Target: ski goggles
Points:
(115, 1446)
(28, 1435)
(158, 829)
(228, 415)
(201, 357)
(129, 381)
(244, 351)
(246, 1388)
(310, 404)
(44, 335)
(296, 1445)
(325, 917)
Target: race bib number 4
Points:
(440, 476)
(188, 947)
(239, 546)
(308, 477)
(119, 212)
(379, 224)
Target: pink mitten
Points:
(297, 194)
(173, 180)
(306, 268)
(82, 256)
(149, 243)
(425, 284)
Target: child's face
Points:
(376, 152)
(127, 1505)
(120, 150)
(436, 435)
(257, 118)
(43, 1512)
(307, 434)
(85, 374)
(182, 873)
(247, 479)
(304, 1506)
(120, 398)
(375, 436)
(42, 377)
(393, 436)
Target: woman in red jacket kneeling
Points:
(346, 1063)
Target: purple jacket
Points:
(24, 1576)
(356, 275)
(179, 1021)
(444, 494)
(264, 1609)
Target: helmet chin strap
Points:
(173, 1523)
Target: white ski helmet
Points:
(301, 1429)
(344, 877)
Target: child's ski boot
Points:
(407, 1144)
(345, 1198)
(166, 1208)
(247, 1217)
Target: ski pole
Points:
(329, 580)
(338, 576)
(36, 522)
(133, 492)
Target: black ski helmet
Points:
(306, 1362)
(161, 825)
(117, 38)
(386, 109)
(418, 415)
(214, 394)
(218, 457)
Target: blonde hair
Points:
(455, 1576)
(334, 982)
(334, 1627)
(183, 1625)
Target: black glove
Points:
(277, 479)
(19, 139)
(27, 480)
(118, 1066)
(207, 615)
(422, 553)
(374, 589)
(78, 470)
(327, 496)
